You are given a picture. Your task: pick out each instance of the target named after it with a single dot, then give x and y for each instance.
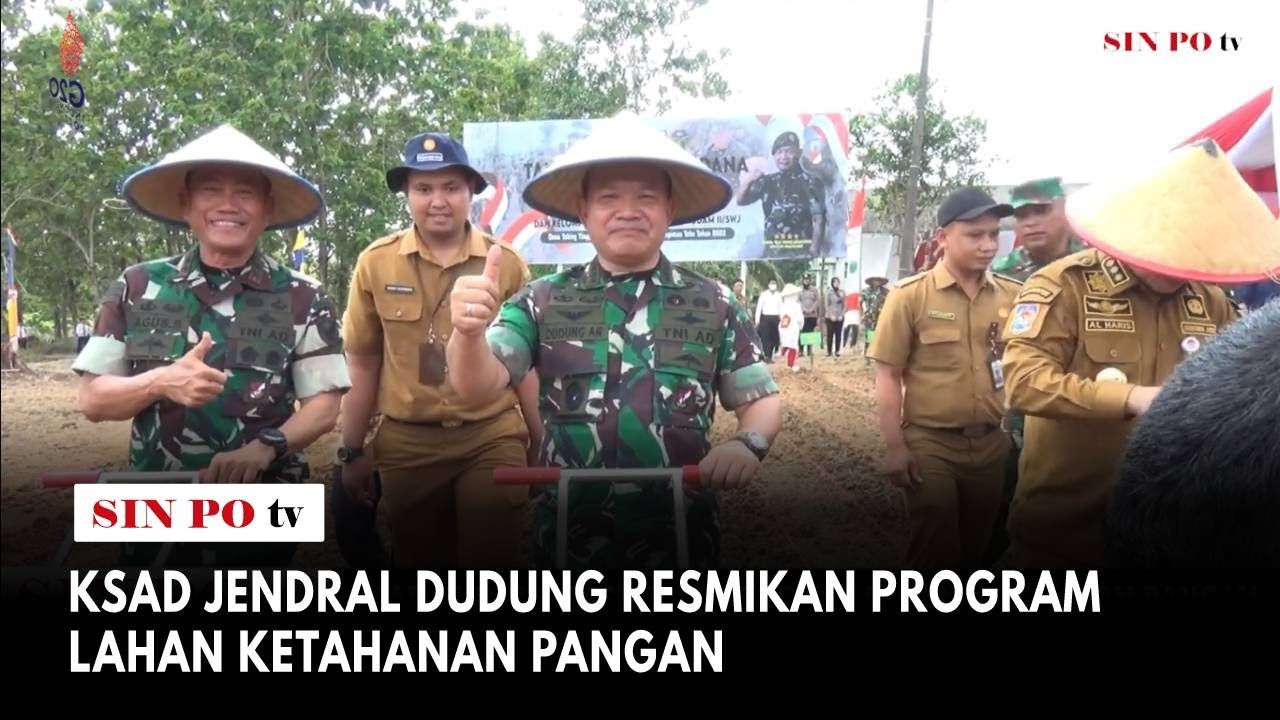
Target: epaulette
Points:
(1007, 278)
(910, 280)
(385, 240)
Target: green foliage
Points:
(882, 140)
(334, 87)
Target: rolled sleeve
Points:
(104, 354)
(324, 373)
(101, 356)
(318, 364)
(742, 377)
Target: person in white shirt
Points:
(790, 324)
(852, 319)
(83, 333)
(768, 309)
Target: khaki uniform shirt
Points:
(945, 344)
(399, 309)
(1073, 319)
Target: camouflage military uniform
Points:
(792, 199)
(274, 332)
(872, 303)
(1020, 265)
(630, 367)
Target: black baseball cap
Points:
(969, 203)
(433, 151)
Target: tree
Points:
(951, 158)
(334, 87)
(635, 45)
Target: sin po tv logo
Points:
(1168, 42)
(69, 91)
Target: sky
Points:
(1056, 102)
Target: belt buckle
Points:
(450, 423)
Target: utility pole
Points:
(907, 243)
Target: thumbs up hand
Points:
(189, 381)
(474, 300)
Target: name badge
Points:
(939, 315)
(399, 289)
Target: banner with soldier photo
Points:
(788, 172)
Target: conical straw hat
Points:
(154, 190)
(1191, 216)
(696, 191)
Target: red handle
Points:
(69, 478)
(691, 475)
(526, 476)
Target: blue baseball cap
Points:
(433, 151)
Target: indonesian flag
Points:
(858, 206)
(857, 209)
(1248, 134)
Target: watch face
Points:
(756, 442)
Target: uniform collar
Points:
(665, 275)
(943, 277)
(475, 245)
(256, 274)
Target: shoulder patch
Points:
(1025, 320)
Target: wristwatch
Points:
(348, 455)
(755, 442)
(274, 439)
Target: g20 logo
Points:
(69, 92)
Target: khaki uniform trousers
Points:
(437, 487)
(953, 513)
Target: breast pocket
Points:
(261, 339)
(938, 348)
(145, 350)
(683, 381)
(259, 344)
(572, 384)
(1118, 350)
(402, 333)
(155, 333)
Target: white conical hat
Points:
(696, 191)
(154, 190)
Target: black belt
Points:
(433, 423)
(971, 431)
